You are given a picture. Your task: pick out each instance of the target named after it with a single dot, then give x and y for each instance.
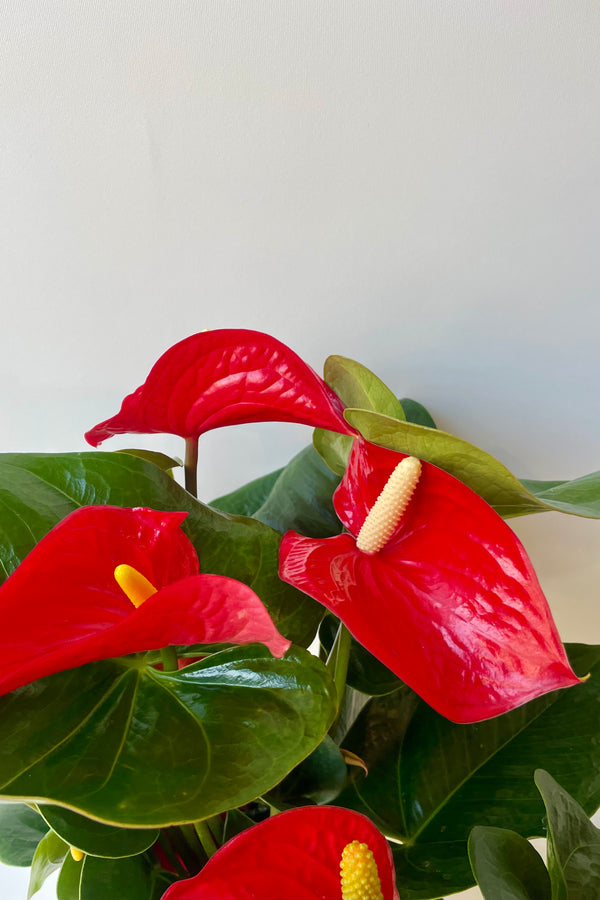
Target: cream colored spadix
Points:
(134, 585)
(358, 873)
(390, 506)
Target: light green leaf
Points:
(357, 386)
(48, 857)
(479, 470)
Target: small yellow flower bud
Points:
(134, 585)
(76, 854)
(389, 507)
(358, 873)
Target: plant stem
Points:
(191, 465)
(206, 838)
(169, 659)
(337, 662)
(171, 855)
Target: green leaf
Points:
(300, 500)
(318, 779)
(164, 462)
(93, 878)
(333, 448)
(506, 866)
(245, 500)
(357, 386)
(130, 745)
(424, 871)
(69, 877)
(365, 673)
(573, 844)
(479, 470)
(96, 838)
(431, 781)
(38, 490)
(416, 413)
(21, 829)
(235, 822)
(48, 857)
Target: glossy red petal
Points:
(62, 606)
(292, 856)
(225, 377)
(451, 604)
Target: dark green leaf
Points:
(425, 871)
(235, 822)
(506, 866)
(300, 500)
(21, 829)
(133, 746)
(244, 501)
(94, 837)
(365, 673)
(430, 781)
(478, 469)
(93, 878)
(416, 413)
(318, 779)
(47, 858)
(358, 387)
(573, 844)
(38, 490)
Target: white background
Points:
(414, 184)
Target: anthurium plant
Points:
(341, 680)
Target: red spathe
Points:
(451, 604)
(62, 606)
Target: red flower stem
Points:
(206, 838)
(337, 662)
(191, 465)
(169, 659)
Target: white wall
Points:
(412, 183)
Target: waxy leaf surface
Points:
(21, 829)
(39, 490)
(451, 604)
(479, 470)
(573, 843)
(129, 745)
(506, 866)
(291, 856)
(225, 377)
(96, 838)
(431, 781)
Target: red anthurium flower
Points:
(108, 581)
(302, 854)
(442, 593)
(225, 377)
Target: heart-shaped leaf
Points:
(39, 490)
(506, 866)
(129, 745)
(94, 837)
(479, 470)
(573, 843)
(431, 781)
(358, 387)
(92, 878)
(21, 829)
